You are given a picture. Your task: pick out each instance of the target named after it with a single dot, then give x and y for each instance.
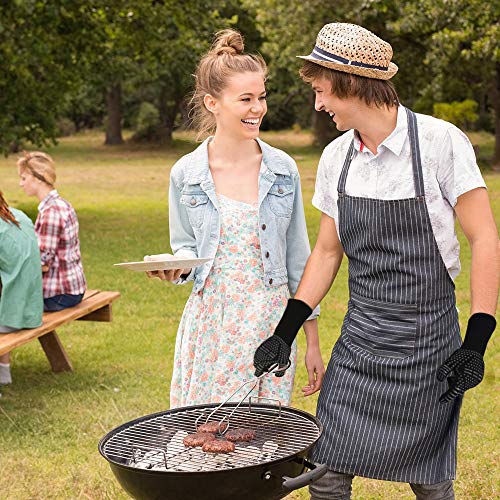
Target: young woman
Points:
(238, 200)
(57, 229)
(21, 303)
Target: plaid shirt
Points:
(57, 229)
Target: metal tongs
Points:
(254, 381)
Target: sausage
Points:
(218, 446)
(197, 439)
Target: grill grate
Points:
(156, 442)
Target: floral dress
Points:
(223, 324)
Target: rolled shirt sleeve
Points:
(182, 238)
(49, 228)
(458, 171)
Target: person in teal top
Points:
(21, 299)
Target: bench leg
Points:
(58, 359)
(102, 314)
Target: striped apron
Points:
(379, 400)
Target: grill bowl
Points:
(268, 478)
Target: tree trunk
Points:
(184, 115)
(168, 113)
(496, 105)
(114, 117)
(323, 128)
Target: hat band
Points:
(323, 55)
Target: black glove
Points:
(277, 348)
(465, 367)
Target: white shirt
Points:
(449, 170)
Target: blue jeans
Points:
(60, 302)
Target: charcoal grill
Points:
(149, 460)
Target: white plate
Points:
(163, 265)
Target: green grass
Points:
(50, 424)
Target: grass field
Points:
(50, 424)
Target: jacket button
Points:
(280, 190)
(263, 227)
(193, 201)
(271, 281)
(267, 255)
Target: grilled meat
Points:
(240, 434)
(218, 446)
(213, 427)
(198, 439)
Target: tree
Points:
(178, 37)
(296, 33)
(463, 51)
(35, 72)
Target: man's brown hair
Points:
(343, 85)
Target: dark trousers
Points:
(60, 302)
(337, 486)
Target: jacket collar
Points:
(198, 169)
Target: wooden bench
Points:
(95, 306)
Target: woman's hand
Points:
(315, 370)
(167, 275)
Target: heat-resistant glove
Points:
(464, 369)
(277, 348)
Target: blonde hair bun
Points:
(224, 59)
(228, 41)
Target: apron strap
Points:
(415, 158)
(415, 153)
(345, 169)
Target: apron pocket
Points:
(384, 329)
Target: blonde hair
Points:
(223, 60)
(39, 165)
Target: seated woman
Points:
(21, 301)
(57, 229)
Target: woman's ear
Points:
(210, 103)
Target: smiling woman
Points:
(237, 201)
(226, 61)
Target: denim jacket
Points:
(195, 223)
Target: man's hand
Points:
(272, 351)
(277, 348)
(464, 369)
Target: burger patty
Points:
(240, 434)
(212, 427)
(198, 439)
(218, 446)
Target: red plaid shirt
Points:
(57, 229)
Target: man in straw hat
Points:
(388, 190)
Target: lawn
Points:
(50, 424)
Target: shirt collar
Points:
(50, 195)
(396, 139)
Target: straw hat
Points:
(353, 49)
